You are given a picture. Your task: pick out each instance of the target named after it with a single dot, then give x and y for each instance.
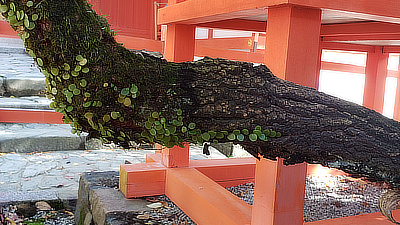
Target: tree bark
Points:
(122, 96)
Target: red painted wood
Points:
(129, 17)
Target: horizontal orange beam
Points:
(140, 43)
(202, 11)
(237, 24)
(227, 43)
(30, 116)
(366, 219)
(204, 200)
(362, 37)
(142, 179)
(391, 49)
(201, 51)
(342, 67)
(227, 172)
(347, 47)
(6, 31)
(365, 28)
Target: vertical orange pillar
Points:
(375, 79)
(279, 193)
(175, 156)
(292, 44)
(180, 41)
(396, 114)
(292, 52)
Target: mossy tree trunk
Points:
(121, 96)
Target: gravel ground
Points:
(325, 198)
(330, 197)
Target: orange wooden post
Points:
(175, 156)
(396, 114)
(180, 42)
(279, 193)
(375, 79)
(292, 53)
(292, 44)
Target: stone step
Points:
(25, 138)
(30, 102)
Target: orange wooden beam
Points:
(342, 67)
(237, 24)
(347, 47)
(6, 31)
(227, 43)
(227, 172)
(205, 201)
(142, 179)
(202, 51)
(140, 43)
(360, 29)
(30, 116)
(365, 219)
(200, 11)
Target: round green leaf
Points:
(253, 137)
(54, 71)
(278, 134)
(179, 112)
(66, 76)
(258, 128)
(106, 118)
(74, 73)
(83, 62)
(134, 89)
(231, 137)
(87, 95)
(31, 26)
(35, 17)
(240, 137)
(206, 136)
(69, 108)
(85, 70)
(245, 132)
(3, 8)
(114, 115)
(83, 83)
(88, 115)
(79, 57)
(272, 134)
(148, 125)
(127, 102)
(66, 67)
(76, 91)
(184, 129)
(236, 132)
(192, 126)
(39, 61)
(78, 68)
(87, 104)
(29, 4)
(155, 115)
(71, 87)
(219, 135)
(125, 91)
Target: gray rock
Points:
(12, 166)
(106, 205)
